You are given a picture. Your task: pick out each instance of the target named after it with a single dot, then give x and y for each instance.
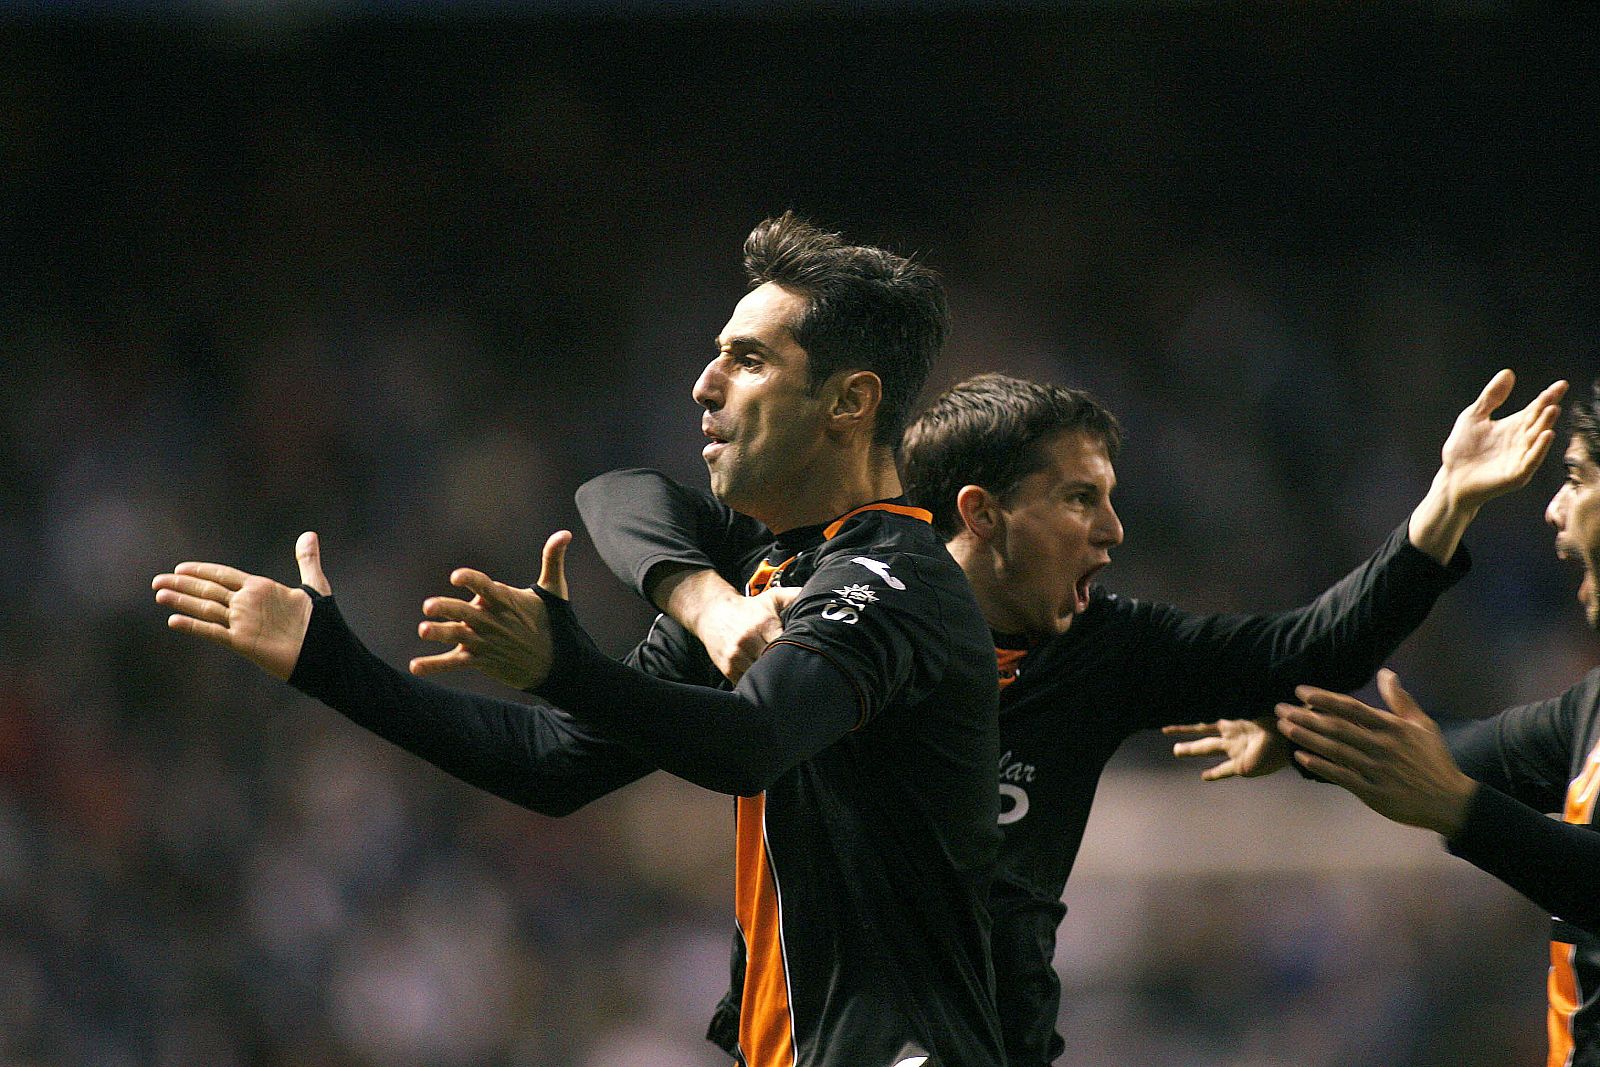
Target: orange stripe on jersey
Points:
(1009, 661)
(1563, 989)
(1563, 983)
(766, 1029)
(763, 576)
(899, 509)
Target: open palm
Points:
(1485, 457)
(262, 620)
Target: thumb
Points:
(553, 567)
(1495, 393)
(783, 596)
(1400, 702)
(309, 555)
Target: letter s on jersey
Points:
(1019, 803)
(837, 612)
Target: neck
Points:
(835, 488)
(977, 562)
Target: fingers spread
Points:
(456, 659)
(1208, 746)
(1192, 729)
(200, 608)
(1348, 708)
(192, 586)
(448, 633)
(456, 610)
(228, 577)
(208, 630)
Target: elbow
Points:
(764, 763)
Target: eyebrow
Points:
(740, 342)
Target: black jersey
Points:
(861, 749)
(1532, 759)
(1068, 702)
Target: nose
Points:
(1554, 511)
(1109, 527)
(708, 387)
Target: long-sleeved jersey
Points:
(1069, 701)
(860, 749)
(1532, 759)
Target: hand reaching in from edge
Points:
(260, 619)
(1485, 457)
(1253, 747)
(1394, 761)
(503, 631)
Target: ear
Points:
(856, 397)
(980, 512)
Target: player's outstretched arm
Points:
(734, 742)
(1251, 748)
(260, 619)
(1395, 761)
(1483, 458)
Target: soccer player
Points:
(1019, 478)
(1485, 786)
(861, 747)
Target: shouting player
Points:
(1019, 478)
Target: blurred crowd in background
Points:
(407, 280)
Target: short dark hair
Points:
(1584, 418)
(988, 431)
(866, 309)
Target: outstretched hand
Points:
(1394, 761)
(1253, 747)
(260, 619)
(503, 631)
(1485, 457)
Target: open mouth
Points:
(1080, 589)
(1586, 588)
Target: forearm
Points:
(787, 708)
(1555, 864)
(523, 754)
(1440, 520)
(686, 592)
(1237, 666)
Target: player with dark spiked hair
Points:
(860, 749)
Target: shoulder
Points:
(897, 552)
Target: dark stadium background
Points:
(406, 273)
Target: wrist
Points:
(686, 593)
(1454, 804)
(1439, 521)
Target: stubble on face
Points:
(1575, 512)
(755, 394)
